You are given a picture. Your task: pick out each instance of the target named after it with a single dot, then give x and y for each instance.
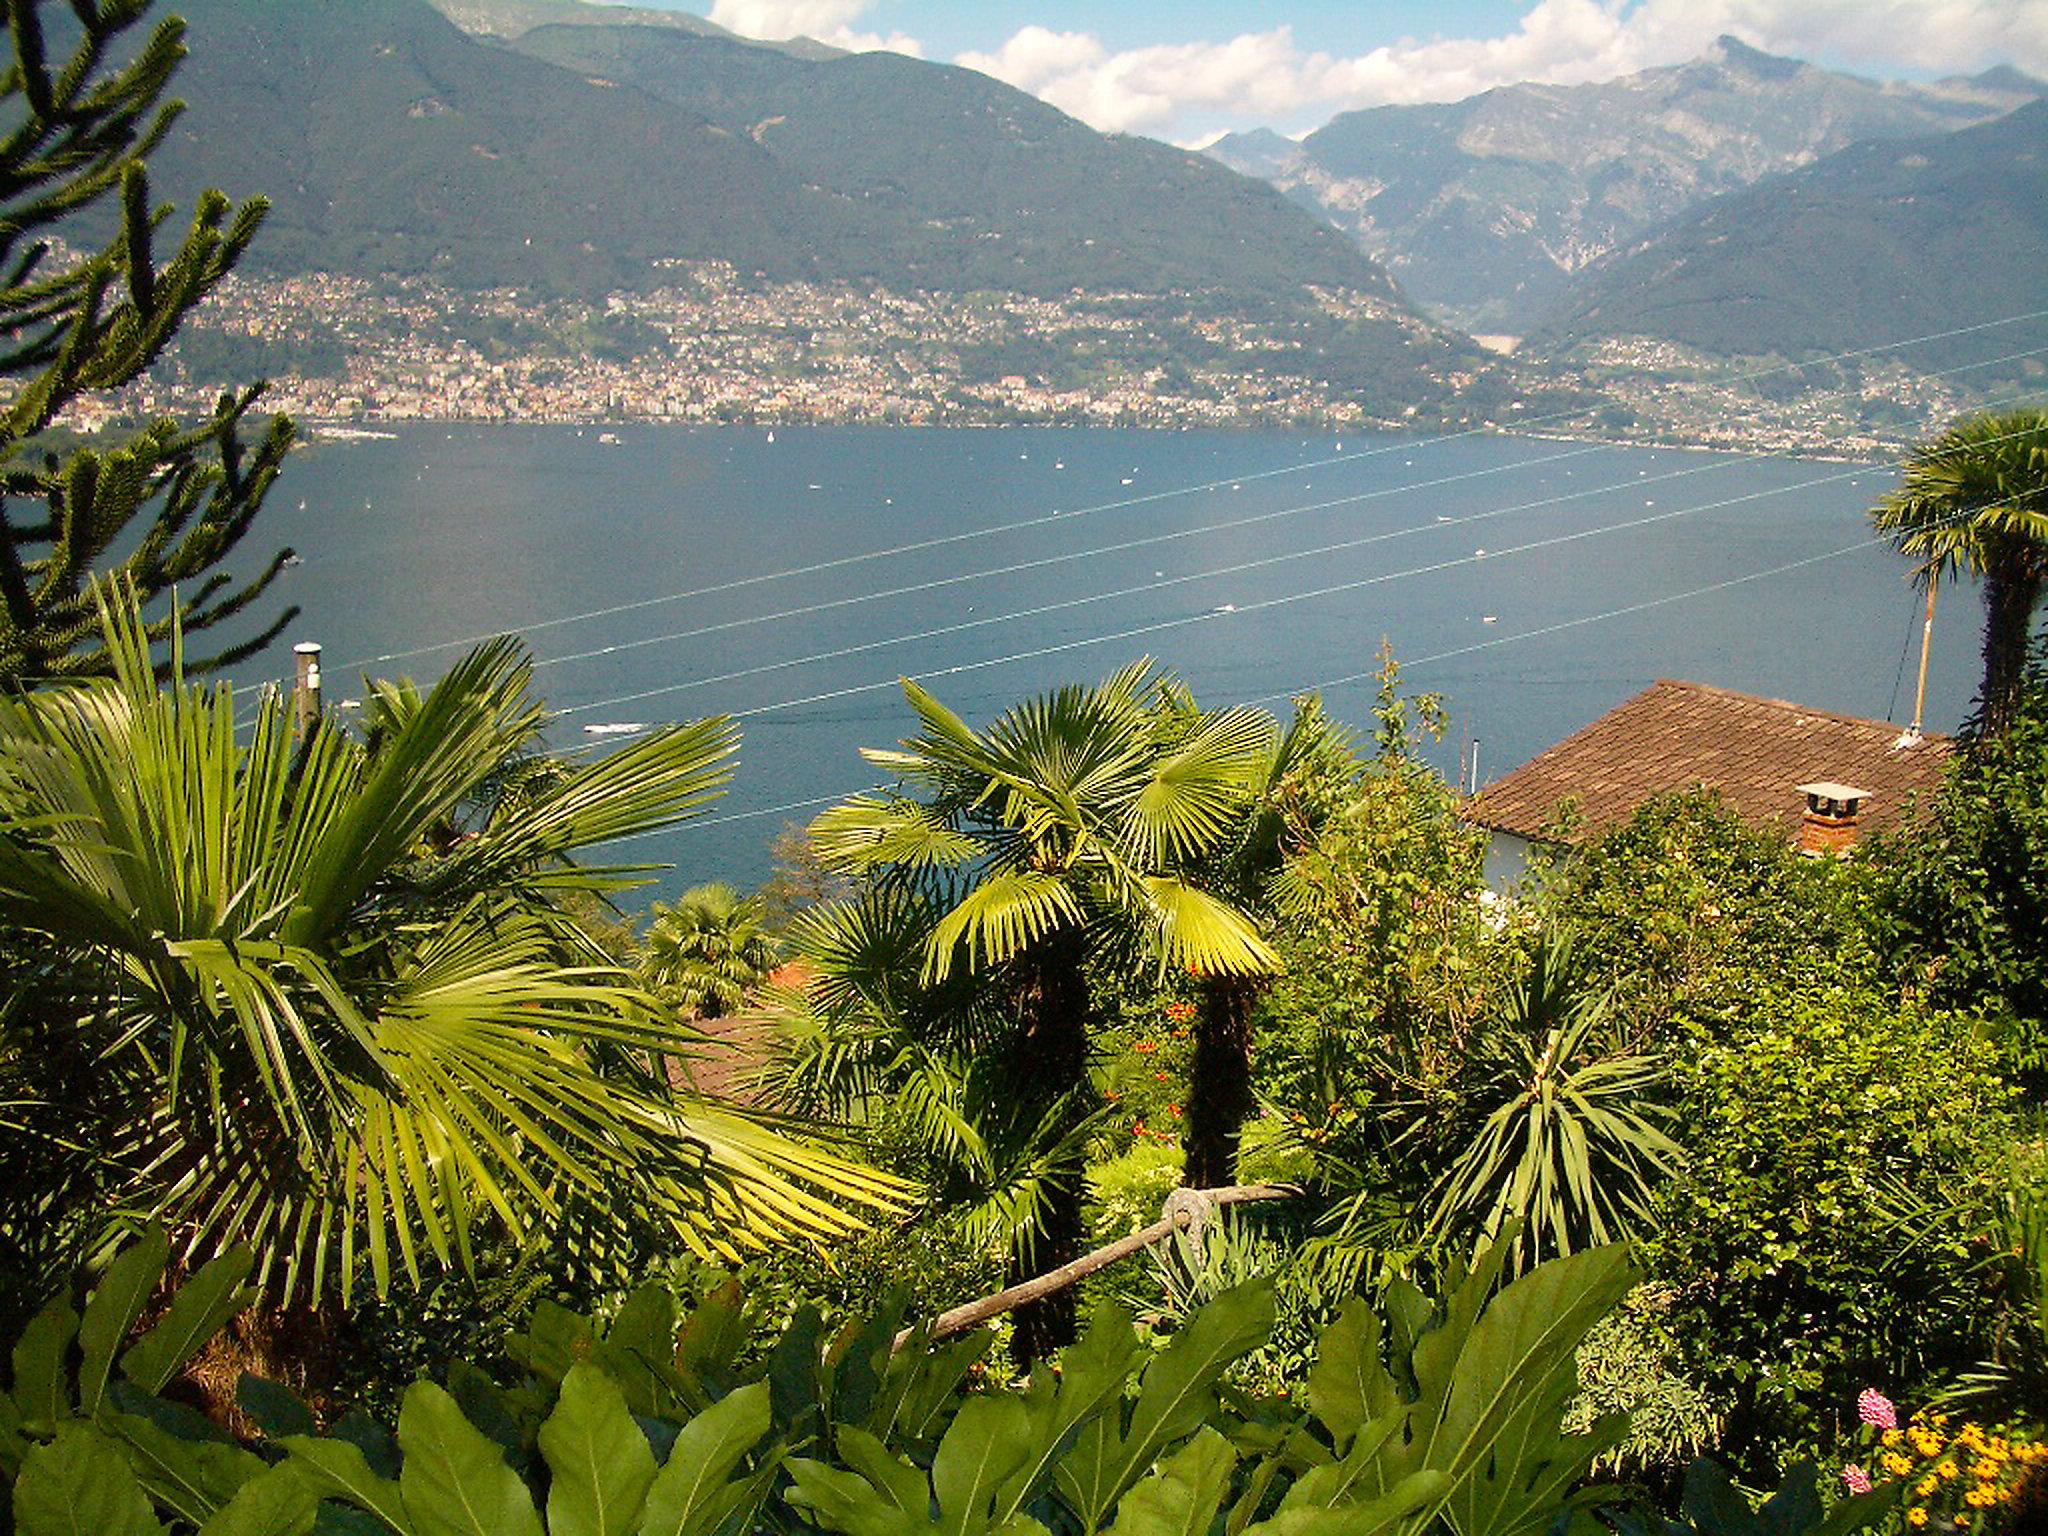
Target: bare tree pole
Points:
(1184, 1208)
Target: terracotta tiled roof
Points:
(1676, 736)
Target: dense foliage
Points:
(330, 1070)
(1966, 887)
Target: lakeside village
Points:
(351, 352)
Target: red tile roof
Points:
(1676, 736)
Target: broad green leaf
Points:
(687, 1490)
(639, 1348)
(455, 1481)
(1394, 1510)
(895, 1479)
(202, 1306)
(193, 1477)
(81, 1485)
(41, 1384)
(1089, 1382)
(282, 1502)
(599, 1463)
(1349, 1385)
(115, 1305)
(490, 1407)
(1492, 1409)
(848, 1503)
(339, 1470)
(1175, 1396)
(989, 1439)
(555, 1339)
(1181, 1498)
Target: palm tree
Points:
(1060, 834)
(707, 952)
(1279, 809)
(1975, 501)
(327, 998)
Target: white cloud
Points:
(829, 21)
(1187, 88)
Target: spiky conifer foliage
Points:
(164, 506)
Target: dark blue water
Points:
(445, 533)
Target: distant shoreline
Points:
(342, 433)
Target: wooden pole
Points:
(1926, 645)
(1184, 1208)
(306, 688)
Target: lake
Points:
(791, 581)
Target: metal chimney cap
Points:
(306, 648)
(1827, 789)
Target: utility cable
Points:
(1228, 525)
(965, 535)
(1603, 616)
(1161, 626)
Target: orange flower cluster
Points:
(1954, 1479)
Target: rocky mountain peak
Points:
(1733, 53)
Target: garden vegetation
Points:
(370, 1165)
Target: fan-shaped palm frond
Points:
(1975, 502)
(708, 951)
(350, 1041)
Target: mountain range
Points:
(1877, 242)
(1486, 209)
(573, 147)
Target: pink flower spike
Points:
(1856, 1480)
(1876, 1410)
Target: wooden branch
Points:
(1181, 1212)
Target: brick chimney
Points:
(1829, 825)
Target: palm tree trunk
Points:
(1052, 1060)
(1220, 1086)
(2012, 591)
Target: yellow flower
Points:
(1894, 1436)
(1925, 1486)
(1916, 1517)
(1896, 1464)
(1946, 1470)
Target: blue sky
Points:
(1188, 69)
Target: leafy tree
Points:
(177, 499)
(707, 952)
(1844, 1156)
(1975, 502)
(1286, 797)
(1393, 971)
(1065, 828)
(315, 999)
(1965, 886)
(1687, 905)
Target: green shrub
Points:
(1843, 1155)
(1629, 1365)
(1686, 905)
(1966, 887)
(1128, 1191)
